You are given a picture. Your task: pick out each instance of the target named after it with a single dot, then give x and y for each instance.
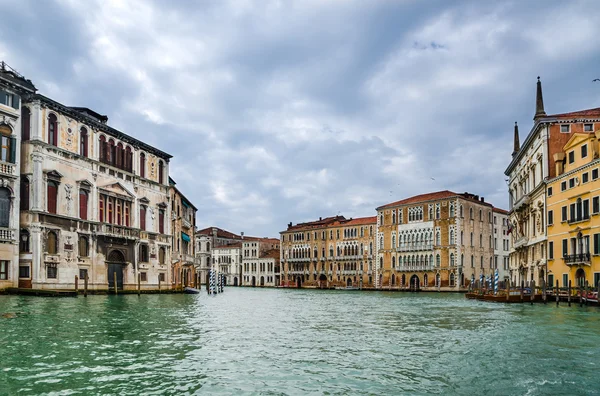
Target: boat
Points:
(346, 288)
(591, 297)
(191, 290)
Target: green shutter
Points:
(16, 101)
(13, 150)
(2, 97)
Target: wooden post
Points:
(115, 282)
(85, 285)
(569, 294)
(159, 285)
(544, 290)
(532, 291)
(556, 292)
(76, 283)
(581, 295)
(522, 289)
(586, 293)
(139, 280)
(508, 290)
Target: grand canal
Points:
(261, 341)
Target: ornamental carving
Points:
(69, 196)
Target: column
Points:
(38, 179)
(36, 247)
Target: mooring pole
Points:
(532, 291)
(138, 282)
(556, 293)
(569, 294)
(85, 285)
(115, 282)
(508, 290)
(522, 289)
(544, 290)
(76, 283)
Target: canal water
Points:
(273, 342)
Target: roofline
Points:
(184, 197)
(103, 127)
(455, 195)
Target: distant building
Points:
(573, 200)
(260, 263)
(227, 261)
(184, 261)
(206, 240)
(501, 243)
(329, 252)
(435, 240)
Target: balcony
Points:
(7, 234)
(415, 247)
(186, 223)
(414, 268)
(7, 169)
(190, 260)
(521, 203)
(521, 241)
(322, 258)
(577, 259)
(118, 231)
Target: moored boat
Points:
(191, 290)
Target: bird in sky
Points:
(432, 178)
(596, 79)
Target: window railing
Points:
(118, 231)
(578, 219)
(7, 234)
(7, 168)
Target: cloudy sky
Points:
(279, 111)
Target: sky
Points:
(287, 111)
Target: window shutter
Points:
(2, 97)
(13, 148)
(16, 102)
(83, 206)
(51, 198)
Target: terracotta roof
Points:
(259, 239)
(498, 210)
(589, 113)
(230, 246)
(360, 221)
(273, 253)
(220, 233)
(315, 224)
(433, 196)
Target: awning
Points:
(185, 203)
(185, 237)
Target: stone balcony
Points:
(118, 231)
(190, 259)
(578, 259)
(521, 241)
(186, 223)
(521, 203)
(7, 169)
(7, 234)
(404, 268)
(415, 247)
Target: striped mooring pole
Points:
(496, 278)
(211, 289)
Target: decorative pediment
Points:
(575, 140)
(118, 189)
(54, 174)
(144, 200)
(85, 184)
(162, 205)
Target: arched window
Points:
(142, 165)
(25, 124)
(119, 156)
(438, 260)
(143, 218)
(438, 238)
(83, 247)
(52, 243)
(4, 207)
(452, 280)
(8, 144)
(393, 217)
(143, 253)
(161, 171)
(128, 159)
(393, 262)
(24, 241)
(52, 130)
(161, 255)
(451, 237)
(52, 195)
(452, 259)
(102, 148)
(83, 204)
(461, 211)
(110, 152)
(83, 142)
(471, 213)
(451, 210)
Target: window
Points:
(565, 128)
(565, 280)
(161, 221)
(565, 247)
(472, 261)
(571, 157)
(83, 204)
(584, 151)
(8, 145)
(52, 130)
(161, 171)
(142, 165)
(83, 273)
(51, 272)
(563, 214)
(25, 124)
(52, 192)
(161, 277)
(24, 271)
(551, 250)
(596, 243)
(4, 207)
(83, 142)
(550, 217)
(480, 215)
(549, 191)
(24, 201)
(52, 243)
(588, 127)
(585, 177)
(102, 148)
(563, 186)
(4, 265)
(101, 209)
(161, 255)
(143, 218)
(83, 247)
(572, 182)
(143, 253)
(595, 204)
(471, 213)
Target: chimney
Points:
(242, 235)
(320, 218)
(290, 224)
(559, 162)
(476, 197)
(516, 144)
(482, 199)
(539, 101)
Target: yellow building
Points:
(573, 201)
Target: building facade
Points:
(573, 199)
(533, 163)
(440, 240)
(501, 243)
(206, 240)
(260, 262)
(94, 204)
(330, 252)
(227, 261)
(13, 87)
(183, 218)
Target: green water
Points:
(261, 341)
